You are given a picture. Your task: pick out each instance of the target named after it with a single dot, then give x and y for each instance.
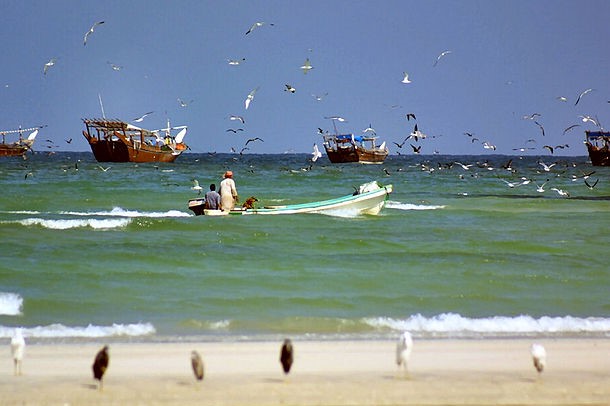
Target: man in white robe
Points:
(228, 192)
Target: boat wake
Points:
(407, 206)
(97, 220)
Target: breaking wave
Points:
(455, 325)
(90, 331)
(10, 304)
(120, 212)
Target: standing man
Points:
(228, 192)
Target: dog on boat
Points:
(249, 203)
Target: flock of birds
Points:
(404, 348)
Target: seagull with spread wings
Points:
(582, 94)
(306, 66)
(48, 65)
(256, 25)
(250, 97)
(438, 58)
(91, 31)
(142, 117)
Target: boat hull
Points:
(13, 150)
(118, 151)
(360, 155)
(367, 202)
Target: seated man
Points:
(212, 199)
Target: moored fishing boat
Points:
(118, 141)
(598, 145)
(21, 146)
(343, 148)
(369, 198)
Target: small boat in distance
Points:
(22, 145)
(369, 198)
(598, 145)
(118, 141)
(342, 148)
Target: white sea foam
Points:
(90, 331)
(120, 212)
(390, 204)
(64, 224)
(10, 304)
(451, 324)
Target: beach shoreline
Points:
(441, 371)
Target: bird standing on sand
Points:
(287, 356)
(17, 350)
(100, 364)
(91, 31)
(404, 346)
(197, 364)
(539, 357)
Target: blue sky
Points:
(509, 59)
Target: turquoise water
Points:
(88, 253)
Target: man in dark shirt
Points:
(212, 199)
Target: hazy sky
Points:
(508, 59)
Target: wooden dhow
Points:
(118, 141)
(21, 145)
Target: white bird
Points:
(115, 67)
(48, 65)
(256, 25)
(405, 78)
(561, 192)
(582, 94)
(142, 117)
(538, 356)
(196, 186)
(438, 58)
(546, 167)
(404, 346)
(370, 129)
(250, 97)
(103, 169)
(589, 118)
(316, 153)
(337, 118)
(540, 188)
(306, 66)
(91, 31)
(17, 350)
(184, 103)
(289, 88)
(237, 118)
(235, 62)
(464, 167)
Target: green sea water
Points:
(88, 253)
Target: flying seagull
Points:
(438, 58)
(91, 31)
(570, 127)
(287, 355)
(337, 118)
(306, 66)
(254, 139)
(316, 153)
(289, 88)
(237, 118)
(142, 117)
(196, 187)
(256, 25)
(100, 364)
(17, 350)
(235, 62)
(410, 116)
(250, 97)
(404, 346)
(197, 364)
(405, 78)
(538, 356)
(582, 94)
(48, 65)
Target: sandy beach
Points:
(324, 373)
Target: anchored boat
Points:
(598, 145)
(21, 146)
(118, 141)
(369, 198)
(342, 148)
